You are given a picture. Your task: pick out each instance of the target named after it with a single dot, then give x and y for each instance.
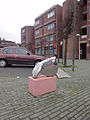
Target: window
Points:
(85, 16)
(37, 41)
(21, 51)
(89, 10)
(23, 30)
(8, 51)
(84, 31)
(52, 38)
(38, 51)
(88, 29)
(46, 50)
(36, 32)
(85, 2)
(42, 51)
(49, 50)
(51, 26)
(37, 22)
(23, 37)
(51, 14)
(2, 43)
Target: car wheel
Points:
(3, 63)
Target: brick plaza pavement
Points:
(70, 101)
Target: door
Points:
(8, 54)
(83, 51)
(23, 56)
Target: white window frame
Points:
(52, 13)
(37, 22)
(23, 30)
(36, 32)
(51, 26)
(52, 38)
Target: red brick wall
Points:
(70, 40)
(46, 19)
(57, 18)
(40, 32)
(40, 22)
(46, 31)
(88, 34)
(29, 34)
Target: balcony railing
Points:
(83, 36)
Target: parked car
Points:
(0, 48)
(18, 55)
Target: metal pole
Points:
(78, 35)
(62, 52)
(79, 47)
(74, 34)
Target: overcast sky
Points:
(14, 14)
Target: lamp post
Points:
(62, 50)
(74, 34)
(78, 35)
(61, 43)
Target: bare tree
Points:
(67, 28)
(59, 31)
(79, 16)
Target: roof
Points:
(53, 7)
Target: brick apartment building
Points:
(27, 38)
(45, 37)
(46, 31)
(85, 29)
(82, 30)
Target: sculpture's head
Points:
(49, 65)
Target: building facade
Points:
(46, 31)
(85, 30)
(68, 6)
(27, 38)
(5, 43)
(44, 37)
(82, 41)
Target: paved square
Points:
(71, 101)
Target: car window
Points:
(21, 51)
(8, 51)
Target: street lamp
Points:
(62, 50)
(61, 43)
(78, 35)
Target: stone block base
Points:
(41, 85)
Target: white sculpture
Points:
(38, 67)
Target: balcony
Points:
(83, 36)
(84, 8)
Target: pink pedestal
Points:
(41, 85)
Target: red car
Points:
(18, 55)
